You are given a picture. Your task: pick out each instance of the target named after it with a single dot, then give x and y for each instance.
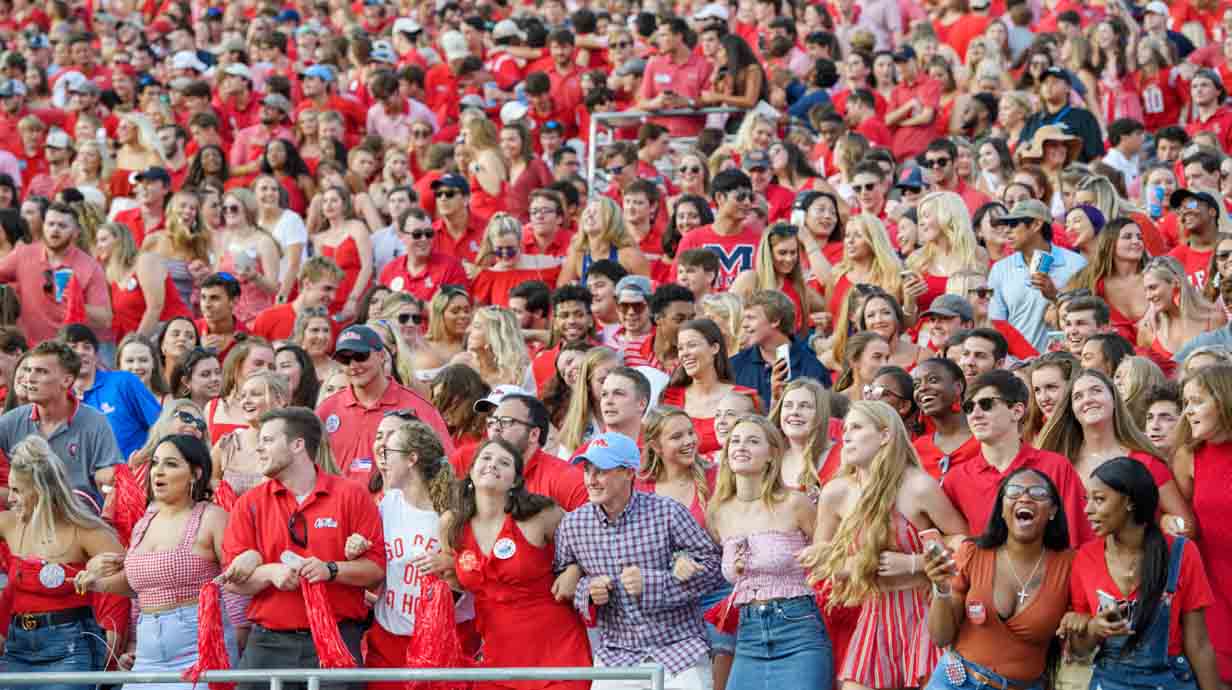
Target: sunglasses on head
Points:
(189, 418)
(416, 319)
(346, 357)
(985, 404)
(454, 291)
(935, 162)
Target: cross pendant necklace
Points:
(1023, 594)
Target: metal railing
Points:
(313, 678)
(617, 116)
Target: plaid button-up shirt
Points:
(664, 623)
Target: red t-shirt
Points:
(735, 252)
(911, 141)
(931, 456)
(492, 287)
(463, 248)
(1195, 263)
(1220, 122)
(1162, 99)
(442, 269)
(972, 488)
(278, 323)
(1090, 574)
(876, 132)
(134, 221)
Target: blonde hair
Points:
(866, 531)
(581, 407)
(818, 435)
(432, 465)
(772, 488)
(727, 310)
(162, 427)
(767, 275)
(400, 352)
(744, 136)
(955, 221)
(1193, 306)
(506, 342)
(886, 265)
(195, 241)
(1142, 376)
(501, 225)
(615, 233)
(124, 251)
(54, 501)
(1216, 381)
(653, 466)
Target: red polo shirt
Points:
(442, 269)
(546, 475)
(911, 141)
(334, 510)
(972, 488)
(464, 248)
(352, 427)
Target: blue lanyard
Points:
(1053, 119)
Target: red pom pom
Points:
(724, 616)
(332, 652)
(211, 645)
(435, 643)
(225, 496)
(130, 503)
(74, 299)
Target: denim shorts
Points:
(167, 641)
(75, 646)
(782, 644)
(720, 642)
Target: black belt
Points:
(305, 631)
(34, 621)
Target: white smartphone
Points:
(784, 352)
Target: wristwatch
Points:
(332, 567)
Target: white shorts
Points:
(696, 677)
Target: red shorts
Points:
(386, 650)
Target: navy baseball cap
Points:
(359, 338)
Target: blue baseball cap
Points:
(359, 338)
(609, 451)
(321, 72)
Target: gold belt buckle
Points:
(29, 622)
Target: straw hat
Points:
(1035, 150)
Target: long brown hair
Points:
(1064, 434)
(519, 503)
(819, 435)
(653, 468)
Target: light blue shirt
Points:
(1014, 300)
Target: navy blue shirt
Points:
(130, 408)
(752, 371)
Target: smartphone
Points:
(932, 541)
(1107, 602)
(784, 352)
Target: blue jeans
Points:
(940, 681)
(167, 641)
(75, 646)
(782, 644)
(720, 642)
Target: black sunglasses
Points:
(1223, 256)
(416, 319)
(866, 187)
(935, 162)
(190, 418)
(446, 194)
(421, 234)
(49, 283)
(985, 404)
(982, 293)
(405, 414)
(345, 358)
(297, 529)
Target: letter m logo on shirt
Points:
(732, 262)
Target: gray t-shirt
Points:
(85, 444)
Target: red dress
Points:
(514, 606)
(218, 429)
(707, 440)
(936, 288)
(1212, 486)
(493, 287)
(346, 255)
(128, 306)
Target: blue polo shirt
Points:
(130, 408)
(1014, 300)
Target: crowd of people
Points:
(868, 345)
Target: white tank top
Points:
(409, 533)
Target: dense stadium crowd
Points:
(784, 344)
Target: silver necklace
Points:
(1023, 594)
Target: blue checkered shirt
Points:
(665, 623)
